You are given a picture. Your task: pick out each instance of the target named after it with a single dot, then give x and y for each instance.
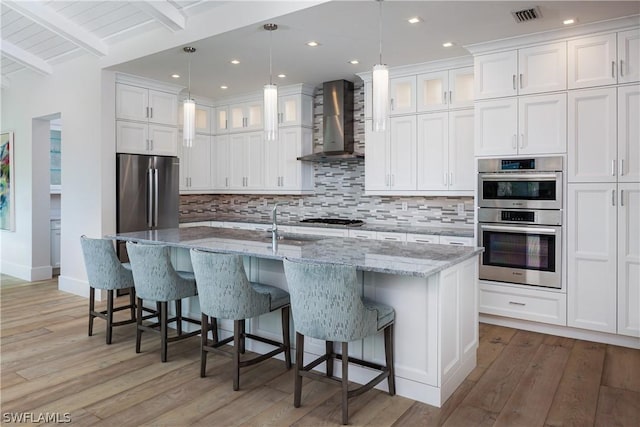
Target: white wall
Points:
(84, 96)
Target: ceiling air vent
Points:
(526, 15)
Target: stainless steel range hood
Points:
(337, 121)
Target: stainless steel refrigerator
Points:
(147, 194)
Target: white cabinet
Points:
(221, 119)
(195, 165)
(220, 162)
(55, 243)
(295, 110)
(246, 116)
(523, 125)
(456, 241)
(442, 90)
(629, 260)
(246, 161)
(402, 91)
(390, 162)
(142, 138)
(604, 59)
(147, 105)
(423, 238)
(603, 135)
(204, 116)
(445, 151)
(363, 234)
(283, 172)
(525, 71)
(391, 236)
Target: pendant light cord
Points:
(270, 67)
(380, 28)
(189, 76)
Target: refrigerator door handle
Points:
(150, 201)
(155, 195)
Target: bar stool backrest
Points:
(104, 269)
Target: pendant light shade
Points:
(380, 89)
(189, 109)
(270, 105)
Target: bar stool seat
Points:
(106, 272)
(225, 293)
(326, 305)
(156, 280)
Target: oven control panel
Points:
(518, 216)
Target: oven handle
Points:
(528, 176)
(516, 229)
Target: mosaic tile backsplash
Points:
(339, 193)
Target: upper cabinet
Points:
(146, 105)
(604, 59)
(443, 90)
(524, 71)
(204, 118)
(295, 110)
(402, 92)
(246, 116)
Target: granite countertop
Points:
(407, 259)
(466, 231)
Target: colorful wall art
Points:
(7, 186)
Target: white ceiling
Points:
(344, 29)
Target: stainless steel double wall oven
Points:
(520, 220)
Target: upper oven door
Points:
(520, 190)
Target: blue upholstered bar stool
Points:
(156, 280)
(326, 305)
(105, 271)
(225, 293)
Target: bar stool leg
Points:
(242, 332)
(109, 315)
(163, 331)
(138, 324)
(92, 308)
(132, 302)
(297, 394)
(345, 383)
(237, 341)
(204, 330)
(179, 316)
(214, 329)
(329, 352)
(286, 338)
(388, 352)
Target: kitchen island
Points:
(433, 289)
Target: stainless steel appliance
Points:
(147, 194)
(532, 183)
(520, 220)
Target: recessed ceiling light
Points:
(175, 76)
(235, 61)
(447, 44)
(354, 62)
(313, 43)
(569, 21)
(414, 20)
(224, 87)
(282, 76)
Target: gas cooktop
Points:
(334, 221)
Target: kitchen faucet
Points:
(274, 227)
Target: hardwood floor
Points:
(50, 365)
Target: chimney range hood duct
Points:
(337, 119)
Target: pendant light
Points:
(189, 109)
(270, 96)
(380, 98)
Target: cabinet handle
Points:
(514, 82)
(225, 124)
(226, 182)
(444, 178)
(444, 97)
(450, 178)
(621, 167)
(613, 168)
(613, 197)
(450, 97)
(621, 69)
(386, 180)
(520, 80)
(517, 303)
(456, 243)
(621, 197)
(147, 146)
(151, 142)
(147, 113)
(151, 110)
(613, 69)
(514, 141)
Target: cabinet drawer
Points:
(317, 231)
(423, 238)
(527, 304)
(363, 234)
(393, 237)
(453, 240)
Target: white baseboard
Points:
(25, 272)
(75, 286)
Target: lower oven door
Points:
(529, 255)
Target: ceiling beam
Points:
(58, 24)
(25, 58)
(163, 12)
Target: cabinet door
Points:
(462, 171)
(253, 115)
(433, 151)
(591, 257)
(461, 90)
(290, 150)
(629, 260)
(55, 244)
(496, 127)
(254, 161)
(542, 68)
(629, 134)
(236, 117)
(163, 108)
(221, 162)
(200, 163)
(132, 137)
(163, 140)
(629, 56)
(222, 119)
(592, 61)
(203, 119)
(591, 136)
(376, 152)
(542, 124)
(402, 153)
(433, 91)
(495, 74)
(273, 162)
(132, 102)
(289, 110)
(403, 95)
